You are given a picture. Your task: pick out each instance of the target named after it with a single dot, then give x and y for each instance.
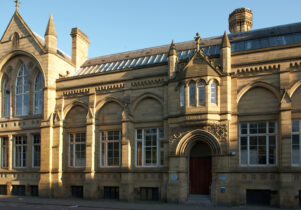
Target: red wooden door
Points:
(200, 175)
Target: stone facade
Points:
(157, 105)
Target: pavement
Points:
(32, 203)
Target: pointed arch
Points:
(68, 107)
(148, 107)
(16, 53)
(146, 95)
(258, 84)
(101, 103)
(294, 87)
(188, 140)
(213, 80)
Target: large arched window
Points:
(182, 96)
(38, 94)
(22, 92)
(192, 100)
(5, 98)
(201, 90)
(213, 93)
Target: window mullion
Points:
(106, 152)
(119, 143)
(143, 149)
(299, 147)
(158, 148)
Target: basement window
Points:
(111, 193)
(149, 193)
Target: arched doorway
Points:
(200, 168)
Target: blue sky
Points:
(115, 26)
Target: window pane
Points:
(139, 153)
(192, 101)
(296, 125)
(182, 96)
(243, 150)
(262, 127)
(22, 92)
(5, 98)
(244, 128)
(201, 93)
(213, 93)
(272, 127)
(253, 128)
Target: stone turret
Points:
(240, 20)
(172, 60)
(50, 36)
(226, 54)
(80, 47)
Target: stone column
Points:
(90, 188)
(10, 152)
(127, 155)
(58, 158)
(286, 192)
(29, 155)
(46, 159)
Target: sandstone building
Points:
(219, 116)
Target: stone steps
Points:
(201, 200)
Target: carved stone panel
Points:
(218, 130)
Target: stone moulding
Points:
(218, 130)
(295, 65)
(147, 83)
(257, 69)
(76, 92)
(104, 88)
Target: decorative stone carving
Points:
(147, 83)
(126, 114)
(218, 130)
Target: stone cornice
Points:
(257, 69)
(76, 92)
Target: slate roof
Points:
(254, 39)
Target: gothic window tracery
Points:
(6, 98)
(22, 92)
(38, 94)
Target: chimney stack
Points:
(240, 20)
(80, 45)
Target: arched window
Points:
(38, 94)
(5, 98)
(201, 90)
(192, 101)
(22, 92)
(182, 96)
(213, 98)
